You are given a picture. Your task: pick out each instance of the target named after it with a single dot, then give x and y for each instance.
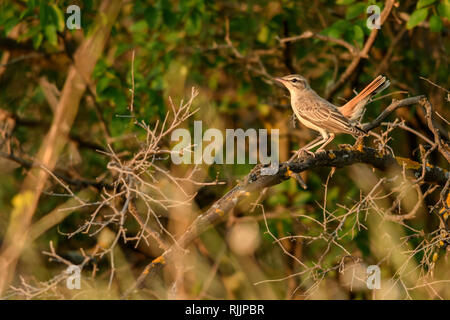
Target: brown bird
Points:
(320, 115)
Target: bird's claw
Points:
(321, 151)
(304, 152)
(345, 147)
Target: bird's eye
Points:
(294, 80)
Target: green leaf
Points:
(26, 13)
(277, 199)
(43, 14)
(31, 4)
(444, 9)
(417, 17)
(355, 10)
(37, 40)
(303, 197)
(10, 24)
(263, 34)
(152, 17)
(50, 34)
(139, 27)
(169, 18)
(58, 17)
(194, 23)
(116, 97)
(337, 29)
(424, 3)
(358, 35)
(102, 84)
(435, 23)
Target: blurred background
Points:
(83, 93)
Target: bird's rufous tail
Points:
(355, 107)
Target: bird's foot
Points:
(303, 153)
(319, 151)
(345, 146)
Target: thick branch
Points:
(395, 104)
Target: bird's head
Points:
(294, 83)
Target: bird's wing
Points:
(325, 115)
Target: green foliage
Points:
(421, 13)
(424, 3)
(355, 10)
(51, 18)
(435, 23)
(444, 9)
(417, 17)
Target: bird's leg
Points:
(305, 149)
(312, 142)
(313, 145)
(330, 138)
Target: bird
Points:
(318, 114)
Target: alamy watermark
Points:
(73, 281)
(74, 20)
(373, 277)
(222, 150)
(374, 20)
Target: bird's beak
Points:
(280, 80)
